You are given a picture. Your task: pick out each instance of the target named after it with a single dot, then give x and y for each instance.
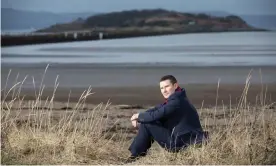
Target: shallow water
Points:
(205, 49)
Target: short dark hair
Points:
(169, 77)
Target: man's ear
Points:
(175, 85)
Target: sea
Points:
(197, 49)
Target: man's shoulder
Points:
(179, 95)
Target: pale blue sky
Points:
(60, 6)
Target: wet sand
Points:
(138, 85)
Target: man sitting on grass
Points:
(174, 124)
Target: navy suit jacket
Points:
(177, 115)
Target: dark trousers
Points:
(148, 133)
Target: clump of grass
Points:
(43, 137)
(241, 134)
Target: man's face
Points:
(167, 88)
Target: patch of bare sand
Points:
(201, 95)
(117, 117)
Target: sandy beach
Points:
(138, 85)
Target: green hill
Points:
(155, 19)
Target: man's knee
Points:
(142, 126)
(151, 124)
(145, 126)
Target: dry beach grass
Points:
(48, 132)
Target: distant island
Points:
(133, 23)
(153, 20)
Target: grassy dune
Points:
(35, 132)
